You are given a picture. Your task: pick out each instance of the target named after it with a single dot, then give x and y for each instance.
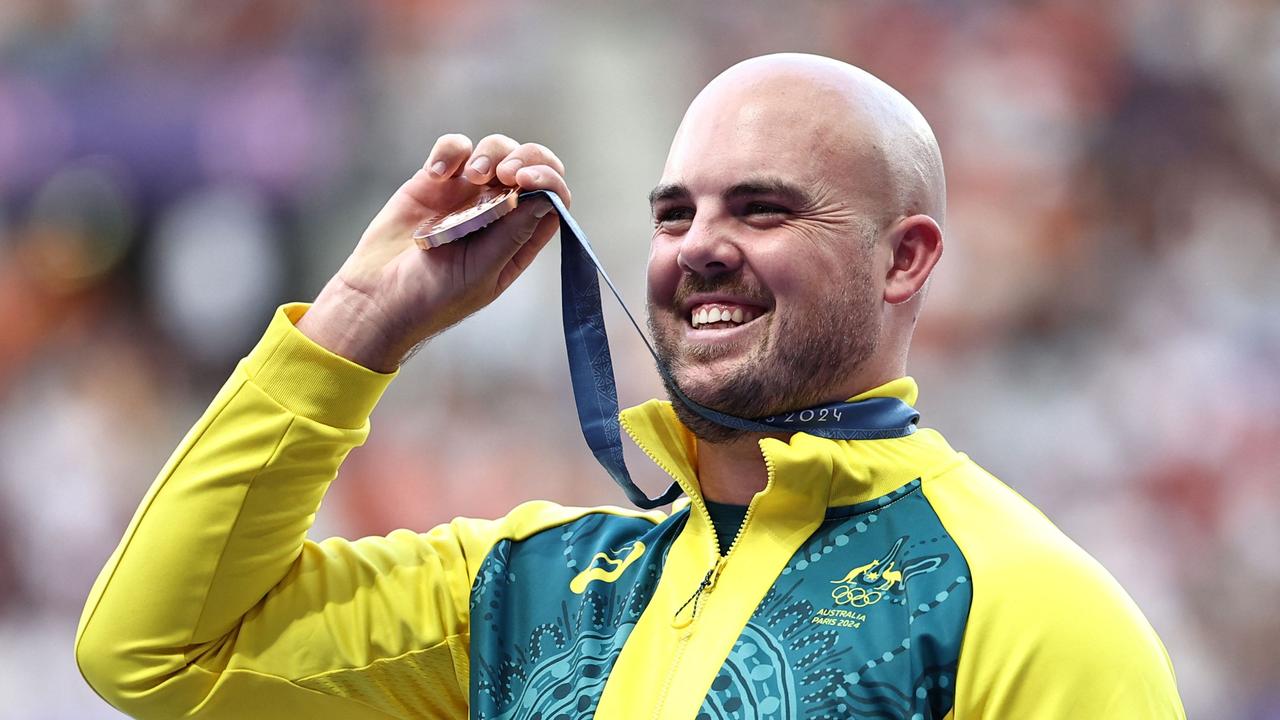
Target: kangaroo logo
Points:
(868, 584)
(605, 568)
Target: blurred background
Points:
(1102, 334)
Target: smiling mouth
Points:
(717, 316)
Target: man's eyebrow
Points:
(668, 191)
(789, 192)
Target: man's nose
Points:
(708, 251)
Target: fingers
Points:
(495, 155)
(448, 154)
(530, 166)
(489, 152)
(527, 155)
(455, 167)
(498, 156)
(543, 177)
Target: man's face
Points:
(762, 293)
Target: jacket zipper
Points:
(685, 627)
(717, 567)
(709, 580)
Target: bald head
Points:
(857, 131)
(806, 197)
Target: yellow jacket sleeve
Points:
(215, 604)
(1051, 635)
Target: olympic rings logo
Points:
(856, 596)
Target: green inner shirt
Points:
(726, 519)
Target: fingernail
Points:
(439, 167)
(481, 165)
(542, 211)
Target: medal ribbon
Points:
(596, 393)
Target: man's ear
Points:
(916, 244)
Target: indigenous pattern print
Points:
(546, 629)
(865, 621)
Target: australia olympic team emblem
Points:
(868, 584)
(605, 568)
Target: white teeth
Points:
(715, 315)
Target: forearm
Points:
(227, 517)
(348, 322)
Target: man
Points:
(797, 223)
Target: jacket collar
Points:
(838, 472)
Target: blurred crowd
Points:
(1102, 333)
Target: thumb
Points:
(501, 241)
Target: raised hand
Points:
(390, 296)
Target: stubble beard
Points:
(798, 365)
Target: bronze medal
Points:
(491, 204)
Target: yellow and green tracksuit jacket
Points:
(870, 579)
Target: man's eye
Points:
(759, 208)
(672, 215)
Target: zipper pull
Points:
(681, 623)
(714, 575)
